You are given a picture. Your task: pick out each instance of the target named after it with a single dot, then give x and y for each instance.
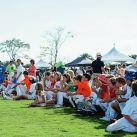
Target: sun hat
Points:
(102, 78)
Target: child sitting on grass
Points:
(110, 112)
(40, 97)
(52, 93)
(83, 92)
(65, 90)
(129, 122)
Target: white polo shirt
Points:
(20, 69)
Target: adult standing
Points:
(19, 70)
(2, 70)
(10, 69)
(32, 68)
(98, 65)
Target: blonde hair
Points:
(71, 72)
(39, 89)
(58, 75)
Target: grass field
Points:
(16, 120)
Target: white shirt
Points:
(57, 85)
(131, 108)
(20, 69)
(79, 72)
(48, 84)
(129, 92)
(33, 90)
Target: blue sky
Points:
(96, 24)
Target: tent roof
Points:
(131, 68)
(42, 63)
(80, 61)
(115, 55)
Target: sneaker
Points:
(3, 94)
(9, 98)
(57, 106)
(105, 118)
(6, 97)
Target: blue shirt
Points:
(14, 81)
(2, 70)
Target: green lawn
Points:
(16, 120)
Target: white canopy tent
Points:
(42, 63)
(115, 56)
(132, 67)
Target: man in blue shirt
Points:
(2, 70)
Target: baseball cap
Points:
(98, 54)
(130, 75)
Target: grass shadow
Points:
(93, 118)
(99, 124)
(119, 134)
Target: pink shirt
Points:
(32, 70)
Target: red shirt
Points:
(32, 70)
(5, 83)
(112, 93)
(26, 81)
(104, 93)
(84, 88)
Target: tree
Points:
(13, 47)
(86, 55)
(46, 50)
(55, 40)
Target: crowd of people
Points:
(94, 92)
